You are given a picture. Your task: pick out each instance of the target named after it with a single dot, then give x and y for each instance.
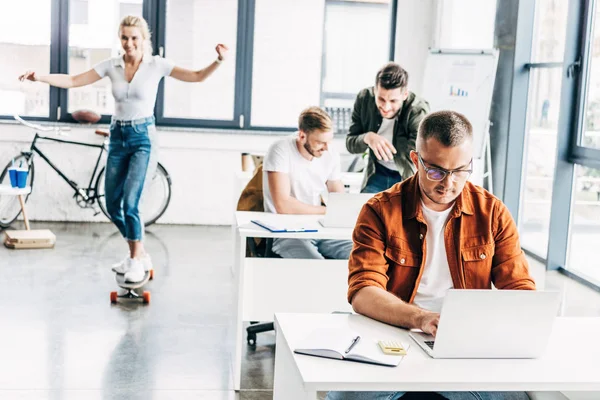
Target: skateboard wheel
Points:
(151, 274)
(113, 297)
(146, 296)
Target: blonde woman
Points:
(132, 152)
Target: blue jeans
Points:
(131, 161)
(425, 396)
(383, 179)
(319, 249)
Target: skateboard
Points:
(130, 287)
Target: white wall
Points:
(202, 166)
(466, 24)
(425, 24)
(415, 34)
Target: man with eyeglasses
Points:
(433, 232)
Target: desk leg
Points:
(236, 247)
(24, 212)
(288, 382)
(239, 322)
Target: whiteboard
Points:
(463, 81)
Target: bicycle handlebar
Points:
(58, 130)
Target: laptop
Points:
(343, 209)
(492, 324)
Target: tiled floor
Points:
(60, 338)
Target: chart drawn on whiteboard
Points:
(462, 81)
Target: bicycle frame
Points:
(73, 184)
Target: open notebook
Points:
(335, 343)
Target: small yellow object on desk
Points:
(392, 347)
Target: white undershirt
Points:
(436, 278)
(387, 131)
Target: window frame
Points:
(393, 10)
(575, 64)
(154, 11)
(56, 14)
(580, 67)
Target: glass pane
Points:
(286, 71)
(549, 30)
(343, 77)
(539, 159)
(585, 225)
(466, 24)
(25, 37)
(591, 129)
(194, 27)
(94, 37)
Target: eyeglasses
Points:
(439, 174)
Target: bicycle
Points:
(157, 194)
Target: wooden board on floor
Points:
(29, 239)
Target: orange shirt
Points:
(482, 243)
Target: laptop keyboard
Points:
(430, 343)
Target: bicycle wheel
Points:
(156, 198)
(10, 208)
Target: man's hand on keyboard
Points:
(429, 322)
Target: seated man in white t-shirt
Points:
(297, 171)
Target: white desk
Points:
(269, 285)
(569, 364)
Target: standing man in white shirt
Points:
(296, 171)
(131, 159)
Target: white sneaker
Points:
(147, 261)
(121, 267)
(136, 272)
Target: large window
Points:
(560, 197)
(584, 222)
(193, 28)
(285, 55)
(25, 44)
(352, 56)
(286, 65)
(93, 37)
(591, 133)
(549, 31)
(543, 105)
(585, 225)
(540, 158)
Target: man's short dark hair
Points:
(391, 76)
(450, 128)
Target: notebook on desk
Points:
(282, 228)
(344, 344)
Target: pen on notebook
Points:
(356, 339)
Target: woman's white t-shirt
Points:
(135, 99)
